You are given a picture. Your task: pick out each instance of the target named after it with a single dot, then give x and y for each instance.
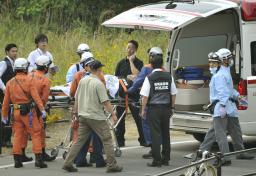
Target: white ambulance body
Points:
(197, 28)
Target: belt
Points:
(18, 106)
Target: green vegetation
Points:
(108, 45)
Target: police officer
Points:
(73, 69)
(158, 94)
(19, 91)
(137, 84)
(7, 73)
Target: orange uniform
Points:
(78, 76)
(20, 90)
(42, 84)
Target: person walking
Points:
(158, 94)
(90, 98)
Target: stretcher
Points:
(118, 97)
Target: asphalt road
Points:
(132, 162)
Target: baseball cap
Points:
(96, 64)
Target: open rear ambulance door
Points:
(167, 16)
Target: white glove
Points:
(223, 112)
(43, 114)
(4, 120)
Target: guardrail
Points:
(217, 156)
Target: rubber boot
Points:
(24, 157)
(47, 157)
(17, 161)
(39, 161)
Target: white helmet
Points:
(21, 64)
(43, 61)
(213, 57)
(82, 48)
(85, 57)
(224, 53)
(155, 51)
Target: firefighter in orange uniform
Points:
(43, 85)
(21, 92)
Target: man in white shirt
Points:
(41, 42)
(158, 94)
(7, 73)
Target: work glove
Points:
(43, 114)
(223, 112)
(4, 120)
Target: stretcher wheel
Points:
(54, 152)
(118, 152)
(64, 155)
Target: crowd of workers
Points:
(25, 88)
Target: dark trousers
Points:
(159, 122)
(120, 130)
(6, 131)
(97, 151)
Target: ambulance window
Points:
(253, 52)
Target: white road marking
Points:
(123, 148)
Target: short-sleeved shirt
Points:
(91, 94)
(123, 68)
(145, 90)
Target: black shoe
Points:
(17, 161)
(147, 155)
(84, 165)
(47, 157)
(223, 163)
(101, 165)
(165, 163)
(114, 169)
(39, 161)
(245, 156)
(24, 157)
(155, 164)
(70, 168)
(144, 144)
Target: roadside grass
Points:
(109, 45)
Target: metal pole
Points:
(219, 156)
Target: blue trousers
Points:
(146, 128)
(97, 154)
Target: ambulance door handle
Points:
(176, 58)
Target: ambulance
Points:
(197, 27)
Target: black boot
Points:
(47, 157)
(24, 158)
(39, 161)
(17, 161)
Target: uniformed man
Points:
(41, 42)
(81, 160)
(222, 60)
(158, 94)
(129, 66)
(90, 98)
(73, 69)
(7, 73)
(137, 84)
(22, 93)
(43, 85)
